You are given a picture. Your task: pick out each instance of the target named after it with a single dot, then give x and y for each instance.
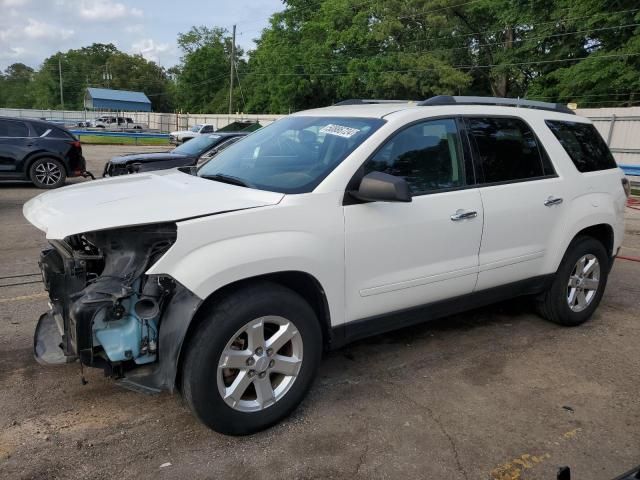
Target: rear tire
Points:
(578, 285)
(231, 379)
(47, 173)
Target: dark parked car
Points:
(39, 151)
(193, 152)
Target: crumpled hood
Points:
(147, 157)
(144, 198)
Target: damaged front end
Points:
(104, 310)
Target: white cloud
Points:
(149, 49)
(107, 10)
(135, 28)
(36, 29)
(13, 3)
(12, 53)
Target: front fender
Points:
(214, 251)
(208, 268)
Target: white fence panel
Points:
(620, 127)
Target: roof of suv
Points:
(381, 110)
(34, 120)
(384, 110)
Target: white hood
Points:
(143, 198)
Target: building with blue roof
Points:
(117, 100)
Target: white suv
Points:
(227, 283)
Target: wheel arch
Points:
(600, 230)
(603, 232)
(303, 283)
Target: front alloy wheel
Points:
(252, 358)
(260, 364)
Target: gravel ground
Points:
(496, 393)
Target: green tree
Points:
(15, 86)
(319, 51)
(82, 68)
(203, 76)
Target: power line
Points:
(449, 37)
(459, 67)
(439, 50)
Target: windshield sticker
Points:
(339, 130)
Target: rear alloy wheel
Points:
(583, 283)
(578, 285)
(252, 358)
(47, 173)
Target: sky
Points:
(32, 30)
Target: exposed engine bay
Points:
(106, 310)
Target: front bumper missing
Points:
(77, 298)
(48, 342)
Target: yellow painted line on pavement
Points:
(514, 469)
(23, 297)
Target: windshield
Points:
(198, 145)
(292, 155)
(196, 128)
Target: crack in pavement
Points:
(444, 431)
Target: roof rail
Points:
(368, 101)
(507, 102)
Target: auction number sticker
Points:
(339, 130)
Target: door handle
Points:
(463, 215)
(551, 201)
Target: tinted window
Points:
(584, 145)
(207, 129)
(39, 128)
(10, 128)
(507, 149)
(59, 133)
(427, 155)
(198, 145)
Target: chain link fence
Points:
(151, 121)
(620, 127)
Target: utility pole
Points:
(60, 73)
(106, 75)
(233, 59)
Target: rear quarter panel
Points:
(591, 198)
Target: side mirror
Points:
(382, 187)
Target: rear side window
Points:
(39, 128)
(59, 133)
(9, 128)
(583, 144)
(507, 150)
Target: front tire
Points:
(252, 359)
(47, 173)
(579, 284)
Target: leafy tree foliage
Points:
(14, 86)
(316, 52)
(319, 51)
(85, 67)
(203, 76)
